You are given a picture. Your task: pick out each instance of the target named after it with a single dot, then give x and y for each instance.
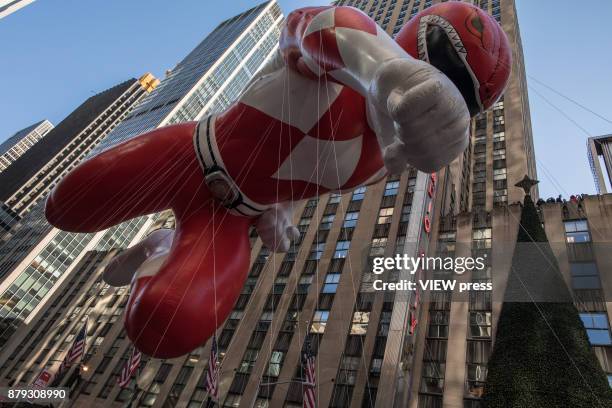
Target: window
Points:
(248, 361)
(500, 196)
(481, 238)
(500, 184)
(577, 231)
(385, 215)
(303, 224)
(326, 222)
(350, 221)
(438, 324)
(477, 357)
(430, 401)
(499, 154)
(480, 176)
(316, 251)
(411, 184)
(391, 188)
(358, 194)
(319, 321)
(236, 315)
(331, 282)
(480, 324)
(150, 396)
(342, 248)
(597, 327)
(446, 242)
(348, 370)
(232, 400)
(276, 362)
(360, 323)
(498, 164)
(266, 316)
(375, 366)
(584, 275)
(378, 246)
(478, 187)
(334, 198)
(481, 123)
(304, 284)
(499, 174)
(279, 284)
(406, 212)
(433, 377)
(179, 384)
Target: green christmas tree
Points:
(541, 357)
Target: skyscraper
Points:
(16, 145)
(24, 185)
(39, 258)
(598, 151)
(30, 178)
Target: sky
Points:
(57, 53)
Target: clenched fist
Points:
(425, 112)
(275, 227)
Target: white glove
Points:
(143, 259)
(425, 112)
(275, 227)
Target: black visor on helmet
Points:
(443, 56)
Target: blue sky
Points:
(57, 53)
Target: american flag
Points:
(130, 367)
(76, 351)
(310, 399)
(211, 381)
(417, 298)
(413, 323)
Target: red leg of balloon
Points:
(178, 309)
(149, 173)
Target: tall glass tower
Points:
(209, 78)
(16, 145)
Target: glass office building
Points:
(208, 79)
(211, 76)
(19, 143)
(34, 255)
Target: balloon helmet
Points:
(467, 45)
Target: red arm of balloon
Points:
(292, 35)
(342, 44)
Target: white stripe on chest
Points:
(328, 163)
(291, 98)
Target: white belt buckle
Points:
(222, 188)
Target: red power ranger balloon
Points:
(341, 104)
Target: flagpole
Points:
(136, 388)
(80, 380)
(84, 343)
